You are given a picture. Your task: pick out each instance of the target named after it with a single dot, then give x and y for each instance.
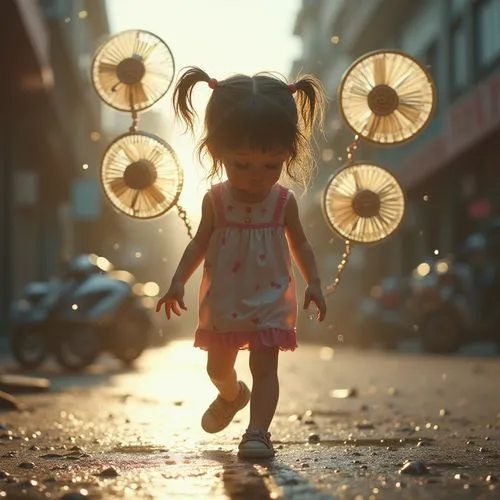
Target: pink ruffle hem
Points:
(286, 340)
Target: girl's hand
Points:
(314, 294)
(173, 300)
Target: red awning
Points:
(470, 120)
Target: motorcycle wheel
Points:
(30, 347)
(441, 333)
(77, 348)
(131, 337)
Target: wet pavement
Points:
(347, 424)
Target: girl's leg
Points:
(220, 369)
(233, 395)
(265, 390)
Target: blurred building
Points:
(451, 171)
(51, 140)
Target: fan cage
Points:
(404, 55)
(346, 236)
(98, 59)
(177, 179)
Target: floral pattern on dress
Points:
(252, 297)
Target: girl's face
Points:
(253, 170)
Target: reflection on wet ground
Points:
(135, 434)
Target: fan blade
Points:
(155, 195)
(137, 95)
(411, 113)
(118, 187)
(107, 68)
(357, 180)
(148, 49)
(135, 197)
(380, 70)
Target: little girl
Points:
(256, 129)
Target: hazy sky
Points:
(221, 36)
(224, 36)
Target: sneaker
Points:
(256, 444)
(221, 411)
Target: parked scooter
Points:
(28, 316)
(453, 303)
(439, 304)
(382, 317)
(94, 309)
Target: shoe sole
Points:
(212, 431)
(256, 454)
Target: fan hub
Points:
(383, 100)
(140, 175)
(131, 70)
(366, 204)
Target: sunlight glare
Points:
(202, 40)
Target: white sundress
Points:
(247, 295)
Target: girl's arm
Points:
(195, 251)
(304, 257)
(299, 245)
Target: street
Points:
(347, 422)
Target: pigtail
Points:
(182, 98)
(311, 103)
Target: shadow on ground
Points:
(262, 479)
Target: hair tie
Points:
(212, 83)
(292, 87)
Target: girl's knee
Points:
(219, 373)
(220, 364)
(220, 370)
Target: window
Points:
(458, 6)
(486, 33)
(431, 61)
(55, 9)
(430, 58)
(459, 57)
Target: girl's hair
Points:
(257, 111)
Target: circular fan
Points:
(363, 203)
(141, 175)
(132, 70)
(387, 97)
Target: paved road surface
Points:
(112, 433)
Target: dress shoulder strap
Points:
(280, 203)
(216, 193)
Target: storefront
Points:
(451, 176)
(24, 52)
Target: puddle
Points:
(382, 442)
(316, 413)
(137, 448)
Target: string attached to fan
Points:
(140, 172)
(181, 212)
(385, 97)
(347, 248)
